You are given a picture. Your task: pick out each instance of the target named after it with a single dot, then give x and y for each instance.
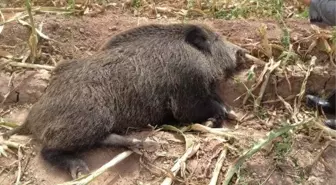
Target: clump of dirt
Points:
(24, 87)
(283, 162)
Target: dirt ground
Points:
(80, 36)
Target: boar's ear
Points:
(197, 37)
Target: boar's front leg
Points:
(195, 110)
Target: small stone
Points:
(313, 179)
(81, 30)
(113, 28)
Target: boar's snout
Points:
(237, 53)
(241, 57)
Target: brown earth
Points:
(80, 37)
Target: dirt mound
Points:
(322, 78)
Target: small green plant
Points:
(136, 3)
(283, 147)
(333, 37)
(231, 14)
(251, 74)
(256, 9)
(190, 4)
(278, 8)
(221, 14)
(304, 14)
(262, 113)
(185, 19)
(285, 40)
(71, 4)
(239, 12)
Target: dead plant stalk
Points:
(33, 40)
(218, 166)
(27, 65)
(177, 166)
(88, 178)
(271, 68)
(298, 100)
(19, 173)
(256, 85)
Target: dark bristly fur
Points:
(148, 75)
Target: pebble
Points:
(114, 28)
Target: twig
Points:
(287, 105)
(88, 178)
(215, 154)
(297, 104)
(304, 83)
(11, 10)
(177, 166)
(33, 39)
(256, 85)
(3, 19)
(152, 167)
(290, 97)
(27, 65)
(14, 18)
(309, 168)
(8, 124)
(332, 59)
(265, 83)
(288, 81)
(38, 30)
(38, 8)
(218, 166)
(216, 131)
(23, 14)
(19, 167)
(268, 176)
(10, 144)
(256, 61)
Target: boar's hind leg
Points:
(128, 142)
(65, 160)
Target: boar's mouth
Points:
(241, 59)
